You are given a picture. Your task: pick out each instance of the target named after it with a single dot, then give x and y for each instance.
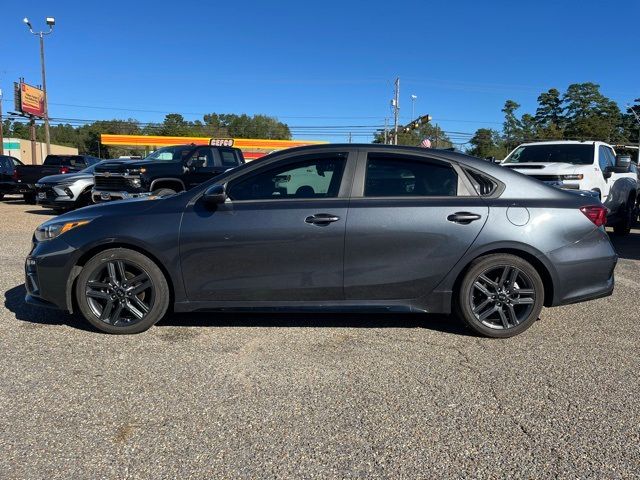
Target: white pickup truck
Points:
(584, 166)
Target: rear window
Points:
(64, 161)
(577, 154)
(228, 158)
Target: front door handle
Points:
(321, 219)
(464, 218)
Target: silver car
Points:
(67, 191)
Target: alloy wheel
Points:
(502, 297)
(120, 293)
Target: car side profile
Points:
(332, 227)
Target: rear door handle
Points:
(321, 219)
(464, 218)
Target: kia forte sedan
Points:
(333, 228)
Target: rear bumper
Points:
(9, 188)
(584, 270)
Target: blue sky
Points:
(317, 64)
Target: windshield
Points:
(578, 154)
(170, 154)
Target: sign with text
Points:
(30, 100)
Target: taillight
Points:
(596, 213)
(16, 175)
(64, 170)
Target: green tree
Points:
(590, 115)
(512, 128)
(487, 143)
(549, 112)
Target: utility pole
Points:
(50, 22)
(386, 131)
(32, 134)
(1, 133)
(396, 110)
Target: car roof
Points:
(565, 142)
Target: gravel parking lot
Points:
(317, 396)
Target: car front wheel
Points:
(501, 295)
(122, 291)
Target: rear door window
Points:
(390, 176)
(228, 158)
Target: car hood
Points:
(544, 168)
(65, 177)
(121, 165)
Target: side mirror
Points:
(215, 195)
(623, 161)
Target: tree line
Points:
(86, 138)
(582, 112)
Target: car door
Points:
(411, 218)
(278, 237)
(200, 166)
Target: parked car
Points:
(66, 191)
(8, 166)
(590, 166)
(26, 176)
(166, 171)
(427, 231)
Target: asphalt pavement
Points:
(317, 396)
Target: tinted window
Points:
(169, 154)
(317, 177)
(399, 177)
(203, 157)
(5, 165)
(580, 154)
(228, 158)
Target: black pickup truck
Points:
(166, 171)
(25, 177)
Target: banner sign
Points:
(29, 100)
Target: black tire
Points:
(519, 296)
(101, 283)
(623, 227)
(29, 198)
(84, 199)
(1, 196)
(163, 192)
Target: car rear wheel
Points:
(500, 296)
(122, 291)
(29, 198)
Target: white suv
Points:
(588, 166)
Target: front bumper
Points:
(49, 274)
(54, 196)
(99, 196)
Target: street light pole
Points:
(51, 22)
(413, 106)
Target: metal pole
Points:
(44, 90)
(1, 133)
(32, 131)
(396, 110)
(386, 131)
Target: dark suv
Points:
(166, 171)
(8, 166)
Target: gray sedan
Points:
(332, 227)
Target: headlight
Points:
(135, 182)
(573, 176)
(47, 232)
